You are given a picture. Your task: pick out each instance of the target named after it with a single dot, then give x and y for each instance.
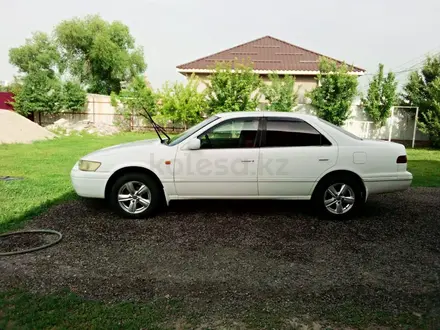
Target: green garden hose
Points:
(41, 231)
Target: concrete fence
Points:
(399, 126)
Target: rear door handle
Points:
(247, 161)
(323, 159)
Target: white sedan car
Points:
(245, 155)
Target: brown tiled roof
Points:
(267, 54)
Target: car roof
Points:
(237, 114)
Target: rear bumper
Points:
(384, 185)
(89, 184)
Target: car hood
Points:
(122, 148)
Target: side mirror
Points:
(194, 144)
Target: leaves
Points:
(99, 53)
(181, 103)
(137, 98)
(73, 96)
(232, 87)
(39, 53)
(280, 93)
(423, 90)
(38, 92)
(381, 97)
(335, 92)
(83, 53)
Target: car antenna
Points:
(159, 129)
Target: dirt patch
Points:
(236, 258)
(21, 242)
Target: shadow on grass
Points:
(18, 222)
(19, 309)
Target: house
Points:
(268, 54)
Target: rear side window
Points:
(287, 133)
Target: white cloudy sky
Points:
(173, 32)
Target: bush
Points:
(335, 92)
(233, 87)
(280, 93)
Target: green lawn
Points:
(424, 164)
(45, 167)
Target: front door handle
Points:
(247, 161)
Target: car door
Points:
(225, 165)
(293, 155)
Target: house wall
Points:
(5, 98)
(302, 84)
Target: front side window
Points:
(184, 135)
(234, 133)
(288, 133)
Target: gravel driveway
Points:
(229, 258)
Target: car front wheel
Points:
(338, 197)
(135, 195)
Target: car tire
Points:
(136, 195)
(338, 197)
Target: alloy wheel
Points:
(339, 198)
(134, 197)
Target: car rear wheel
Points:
(338, 197)
(135, 195)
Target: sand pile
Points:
(15, 128)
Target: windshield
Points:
(182, 136)
(340, 129)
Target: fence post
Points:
(415, 128)
(391, 123)
(93, 108)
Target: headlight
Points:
(87, 165)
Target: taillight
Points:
(401, 160)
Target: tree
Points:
(280, 93)
(381, 96)
(335, 92)
(39, 53)
(231, 87)
(37, 92)
(431, 116)
(182, 103)
(422, 90)
(99, 53)
(73, 96)
(41, 89)
(137, 99)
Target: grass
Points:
(424, 164)
(65, 310)
(21, 310)
(45, 167)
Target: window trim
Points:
(288, 119)
(258, 138)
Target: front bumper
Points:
(89, 184)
